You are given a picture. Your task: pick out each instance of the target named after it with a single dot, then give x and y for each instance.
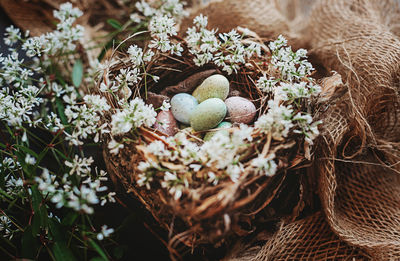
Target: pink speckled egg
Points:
(166, 123)
(240, 110)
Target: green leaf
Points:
(97, 258)
(69, 219)
(60, 77)
(98, 249)
(41, 155)
(61, 252)
(36, 199)
(26, 150)
(119, 251)
(60, 154)
(60, 249)
(38, 206)
(21, 160)
(77, 73)
(29, 244)
(61, 109)
(35, 224)
(114, 23)
(12, 203)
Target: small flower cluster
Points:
(161, 19)
(60, 41)
(295, 91)
(161, 29)
(169, 8)
(227, 50)
(19, 99)
(63, 192)
(291, 65)
(277, 121)
(287, 90)
(135, 114)
(84, 118)
(13, 186)
(6, 227)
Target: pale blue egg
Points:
(182, 106)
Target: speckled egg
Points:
(166, 123)
(222, 125)
(215, 86)
(182, 106)
(240, 110)
(208, 114)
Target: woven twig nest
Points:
(209, 204)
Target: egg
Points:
(166, 123)
(182, 106)
(208, 114)
(240, 110)
(215, 86)
(222, 125)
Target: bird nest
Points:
(186, 182)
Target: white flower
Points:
(170, 8)
(135, 54)
(266, 84)
(105, 232)
(292, 65)
(212, 178)
(12, 35)
(79, 166)
(115, 146)
(162, 28)
(61, 40)
(145, 8)
(30, 160)
(108, 198)
(134, 115)
(135, 18)
(97, 102)
(292, 91)
(173, 183)
(277, 121)
(307, 127)
(66, 11)
(144, 179)
(47, 182)
(227, 52)
(201, 21)
(128, 77)
(5, 227)
(278, 43)
(165, 105)
(234, 171)
(13, 186)
(265, 166)
(239, 136)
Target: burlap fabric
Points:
(358, 153)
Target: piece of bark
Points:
(29, 16)
(189, 84)
(155, 99)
